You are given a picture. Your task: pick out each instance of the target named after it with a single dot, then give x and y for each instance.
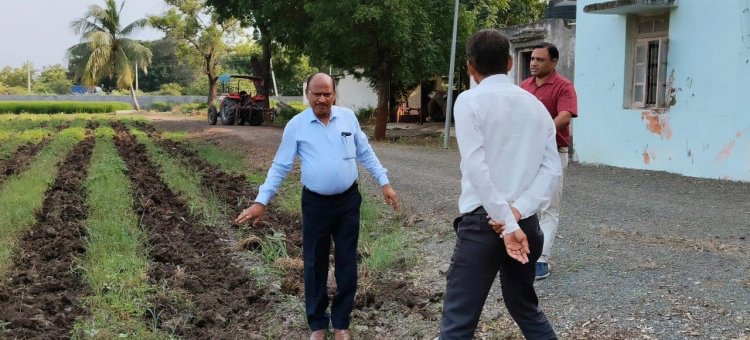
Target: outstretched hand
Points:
(390, 196)
(252, 213)
(517, 246)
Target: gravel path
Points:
(639, 254)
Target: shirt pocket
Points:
(350, 148)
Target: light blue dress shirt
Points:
(328, 154)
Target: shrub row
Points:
(62, 107)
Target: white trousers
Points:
(549, 217)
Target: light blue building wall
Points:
(706, 133)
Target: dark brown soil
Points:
(233, 188)
(20, 159)
(208, 295)
(40, 298)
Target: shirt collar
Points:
(551, 79)
(312, 118)
(496, 79)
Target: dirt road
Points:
(639, 254)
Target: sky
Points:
(39, 30)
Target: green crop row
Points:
(62, 107)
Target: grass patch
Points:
(23, 194)
(185, 182)
(24, 121)
(115, 265)
(273, 247)
(10, 142)
(382, 239)
(225, 159)
(62, 107)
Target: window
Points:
(523, 69)
(649, 70)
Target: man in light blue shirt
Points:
(329, 142)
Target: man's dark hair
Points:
(310, 77)
(488, 51)
(551, 49)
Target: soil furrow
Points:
(211, 297)
(232, 188)
(41, 297)
(20, 159)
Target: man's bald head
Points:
(323, 75)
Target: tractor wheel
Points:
(212, 115)
(256, 116)
(228, 112)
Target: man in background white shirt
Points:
(509, 169)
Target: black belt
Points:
(339, 195)
(478, 211)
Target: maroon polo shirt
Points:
(557, 94)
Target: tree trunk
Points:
(265, 69)
(381, 121)
(136, 106)
(212, 80)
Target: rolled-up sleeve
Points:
(366, 156)
(282, 164)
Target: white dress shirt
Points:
(508, 150)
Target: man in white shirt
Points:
(509, 169)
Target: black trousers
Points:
(324, 218)
(478, 255)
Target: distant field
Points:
(61, 107)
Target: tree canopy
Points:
(394, 43)
(197, 24)
(111, 53)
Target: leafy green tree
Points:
(17, 76)
(274, 23)
(394, 42)
(53, 79)
(171, 63)
(238, 59)
(291, 70)
(110, 52)
(197, 25)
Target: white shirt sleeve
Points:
(545, 181)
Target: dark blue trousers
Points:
(477, 257)
(324, 218)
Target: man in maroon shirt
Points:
(559, 97)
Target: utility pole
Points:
(273, 77)
(28, 75)
(449, 106)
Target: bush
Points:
(284, 114)
(162, 106)
(62, 107)
(365, 115)
(191, 108)
(170, 89)
(125, 92)
(13, 90)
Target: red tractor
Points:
(237, 105)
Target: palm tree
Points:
(110, 52)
